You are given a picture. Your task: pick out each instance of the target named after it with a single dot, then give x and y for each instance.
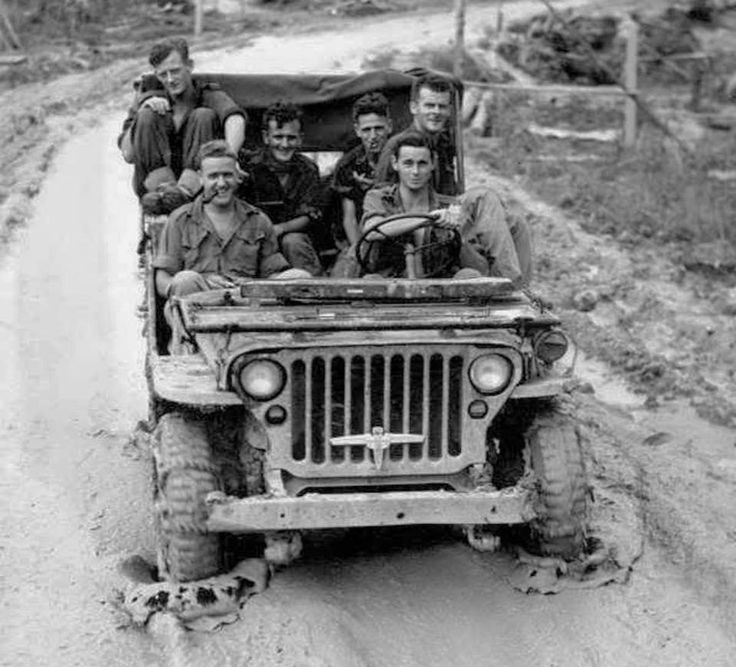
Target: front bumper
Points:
(315, 510)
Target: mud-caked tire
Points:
(556, 459)
(184, 474)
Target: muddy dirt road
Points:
(76, 491)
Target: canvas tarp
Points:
(325, 98)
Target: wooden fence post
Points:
(198, 13)
(631, 67)
(7, 34)
(459, 52)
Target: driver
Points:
(482, 241)
(431, 109)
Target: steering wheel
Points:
(450, 246)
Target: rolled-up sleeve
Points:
(373, 206)
(222, 104)
(170, 256)
(342, 181)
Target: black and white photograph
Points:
(368, 333)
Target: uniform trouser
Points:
(299, 251)
(500, 241)
(156, 143)
(346, 265)
(506, 242)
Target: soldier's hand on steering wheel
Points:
(419, 221)
(447, 218)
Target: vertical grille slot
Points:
(358, 390)
(319, 407)
(298, 410)
(340, 407)
(420, 411)
(396, 404)
(436, 407)
(375, 393)
(455, 407)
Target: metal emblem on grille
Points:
(378, 441)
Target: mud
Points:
(672, 394)
(202, 605)
(78, 490)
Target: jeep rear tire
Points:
(184, 474)
(556, 459)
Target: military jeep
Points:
(325, 403)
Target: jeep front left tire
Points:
(184, 474)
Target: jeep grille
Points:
(338, 393)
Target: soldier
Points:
(487, 247)
(216, 241)
(431, 108)
(167, 125)
(285, 183)
(355, 172)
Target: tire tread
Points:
(185, 474)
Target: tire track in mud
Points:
(691, 525)
(171, 636)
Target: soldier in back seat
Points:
(355, 175)
(167, 125)
(355, 172)
(285, 184)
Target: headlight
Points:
(490, 374)
(551, 346)
(262, 379)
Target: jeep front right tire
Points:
(556, 459)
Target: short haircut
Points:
(371, 103)
(413, 139)
(282, 113)
(434, 82)
(215, 148)
(161, 50)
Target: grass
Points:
(655, 191)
